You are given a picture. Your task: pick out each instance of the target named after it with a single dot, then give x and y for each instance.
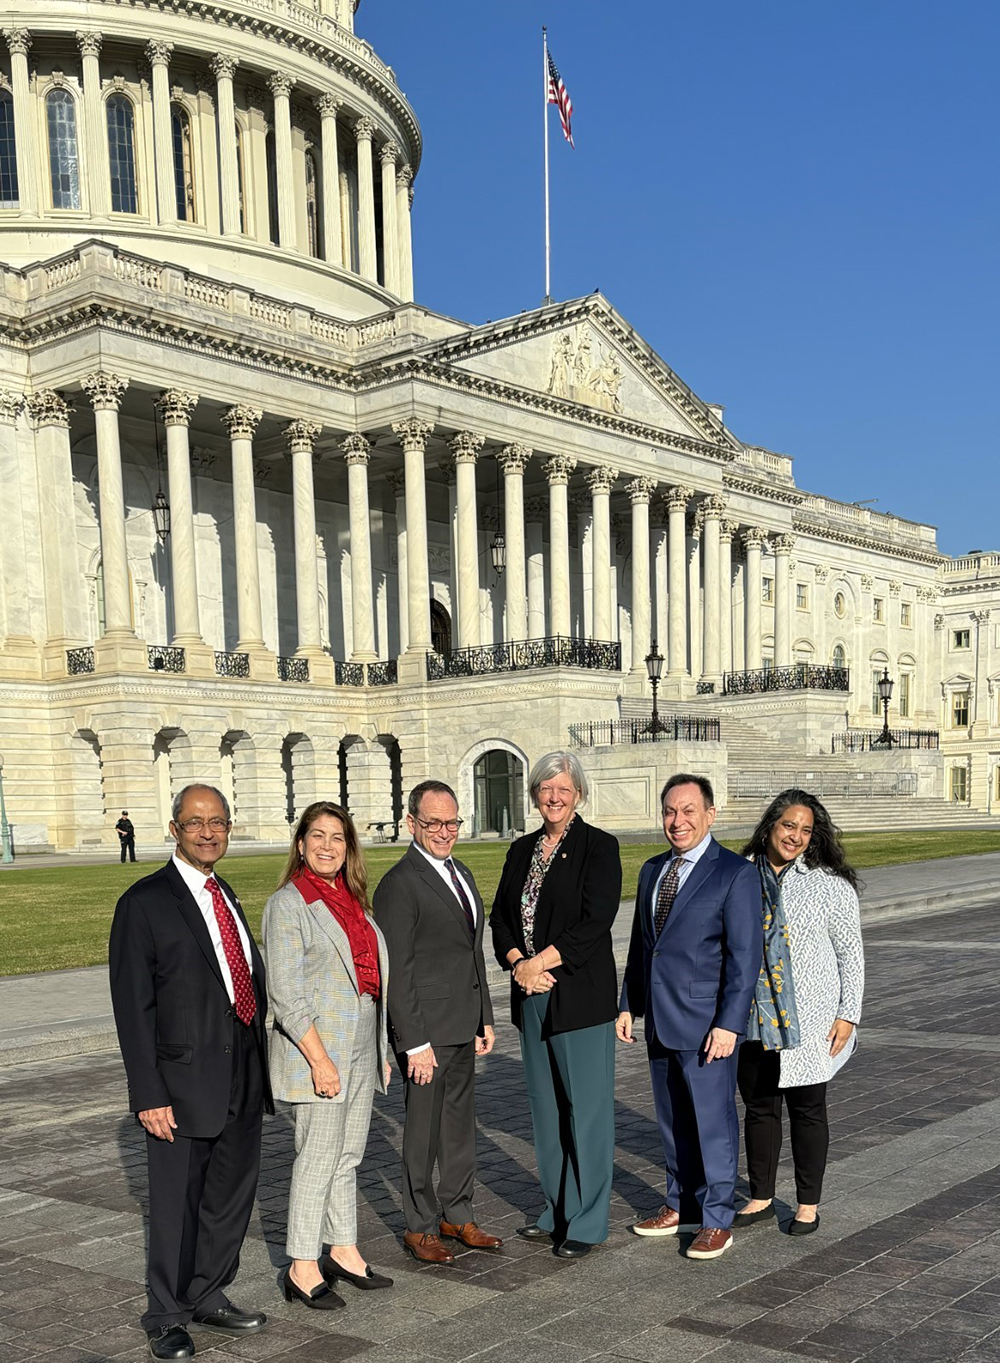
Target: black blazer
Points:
(577, 905)
(438, 992)
(172, 1010)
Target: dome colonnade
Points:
(101, 131)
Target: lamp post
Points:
(654, 670)
(8, 855)
(885, 685)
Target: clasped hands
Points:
(531, 976)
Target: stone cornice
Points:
(769, 492)
(829, 532)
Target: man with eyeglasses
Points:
(188, 989)
(440, 1019)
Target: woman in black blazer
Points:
(551, 925)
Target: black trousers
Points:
(128, 845)
(440, 1126)
(757, 1075)
(201, 1194)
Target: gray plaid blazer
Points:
(311, 979)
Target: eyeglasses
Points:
(197, 825)
(435, 825)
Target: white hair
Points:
(553, 764)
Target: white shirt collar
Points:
(694, 854)
(440, 864)
(194, 879)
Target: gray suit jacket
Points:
(438, 992)
(311, 980)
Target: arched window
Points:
(183, 154)
(121, 155)
(839, 658)
(8, 153)
(239, 177)
(271, 163)
(64, 160)
(312, 204)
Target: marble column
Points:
(65, 604)
(95, 124)
(333, 247)
(397, 484)
(25, 121)
(534, 513)
(711, 509)
(676, 499)
(158, 54)
(465, 447)
(447, 467)
(176, 407)
(696, 614)
(281, 87)
(15, 558)
(640, 490)
(727, 529)
(223, 69)
(513, 459)
(783, 546)
(557, 470)
(106, 392)
(357, 455)
(581, 505)
(600, 481)
(364, 131)
(389, 155)
(404, 241)
(413, 435)
(753, 542)
(241, 422)
(658, 551)
(300, 436)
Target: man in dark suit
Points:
(187, 985)
(694, 957)
(440, 1019)
(125, 829)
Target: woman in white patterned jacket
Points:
(807, 1003)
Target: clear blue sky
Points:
(796, 202)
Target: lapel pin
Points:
(564, 856)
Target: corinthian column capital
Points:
(18, 41)
(389, 152)
(601, 478)
(514, 458)
(714, 506)
(465, 446)
(89, 43)
(222, 66)
(365, 128)
(753, 537)
(280, 84)
(413, 432)
(558, 469)
(104, 390)
(241, 421)
(640, 490)
(357, 450)
(404, 176)
(158, 52)
(176, 406)
(677, 497)
(48, 408)
(301, 436)
(11, 405)
(327, 105)
(783, 544)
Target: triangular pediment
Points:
(583, 356)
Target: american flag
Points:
(559, 96)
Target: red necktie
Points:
(243, 995)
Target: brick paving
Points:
(906, 1265)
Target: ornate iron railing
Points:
(798, 677)
(383, 674)
(871, 740)
(705, 689)
(232, 664)
(349, 674)
(293, 669)
(79, 660)
(764, 785)
(164, 658)
(672, 728)
(520, 654)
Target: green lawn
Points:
(53, 919)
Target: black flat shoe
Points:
(751, 1218)
(573, 1249)
(170, 1341)
(232, 1319)
(367, 1281)
(803, 1227)
(533, 1233)
(321, 1298)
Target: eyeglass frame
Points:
(196, 825)
(435, 825)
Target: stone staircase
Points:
(760, 766)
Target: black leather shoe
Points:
(368, 1281)
(573, 1249)
(803, 1227)
(533, 1233)
(231, 1319)
(170, 1341)
(751, 1218)
(321, 1298)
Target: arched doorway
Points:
(440, 629)
(498, 778)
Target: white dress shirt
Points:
(688, 861)
(442, 869)
(196, 882)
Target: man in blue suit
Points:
(693, 960)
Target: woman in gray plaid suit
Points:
(327, 973)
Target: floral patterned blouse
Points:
(533, 886)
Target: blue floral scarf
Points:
(774, 1018)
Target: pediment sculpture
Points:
(579, 374)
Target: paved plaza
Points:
(906, 1265)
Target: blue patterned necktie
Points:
(462, 896)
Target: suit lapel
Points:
(469, 881)
(703, 868)
(550, 885)
(645, 891)
(434, 882)
(192, 915)
(341, 942)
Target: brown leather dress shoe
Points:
(709, 1243)
(470, 1234)
(427, 1248)
(665, 1222)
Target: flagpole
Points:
(545, 120)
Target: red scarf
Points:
(352, 918)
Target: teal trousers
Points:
(570, 1079)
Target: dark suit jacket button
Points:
(229, 1012)
(656, 953)
(475, 986)
(229, 1050)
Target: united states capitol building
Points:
(269, 521)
